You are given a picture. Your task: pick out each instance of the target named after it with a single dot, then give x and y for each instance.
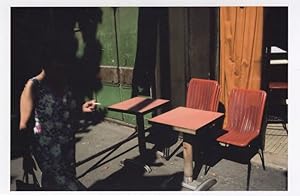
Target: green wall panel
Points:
(109, 95)
(146, 117)
(117, 35)
(106, 35)
(126, 94)
(127, 22)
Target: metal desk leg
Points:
(188, 159)
(141, 133)
(142, 146)
(188, 181)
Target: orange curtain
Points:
(241, 39)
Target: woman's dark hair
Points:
(55, 52)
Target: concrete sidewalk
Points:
(276, 147)
(101, 147)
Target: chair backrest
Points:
(203, 94)
(245, 110)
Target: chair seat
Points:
(237, 138)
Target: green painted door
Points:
(118, 36)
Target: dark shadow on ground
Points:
(286, 177)
(132, 177)
(163, 137)
(89, 119)
(110, 149)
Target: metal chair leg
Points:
(248, 176)
(166, 152)
(206, 169)
(285, 128)
(262, 157)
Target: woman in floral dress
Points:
(51, 100)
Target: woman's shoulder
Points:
(40, 76)
(32, 82)
(36, 80)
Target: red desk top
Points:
(186, 120)
(138, 105)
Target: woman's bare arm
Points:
(27, 102)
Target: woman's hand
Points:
(89, 106)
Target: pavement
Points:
(101, 148)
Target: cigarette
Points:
(97, 103)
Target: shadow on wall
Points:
(34, 29)
(152, 51)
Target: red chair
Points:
(202, 94)
(244, 120)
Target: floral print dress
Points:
(54, 138)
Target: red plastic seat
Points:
(203, 94)
(244, 117)
(244, 120)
